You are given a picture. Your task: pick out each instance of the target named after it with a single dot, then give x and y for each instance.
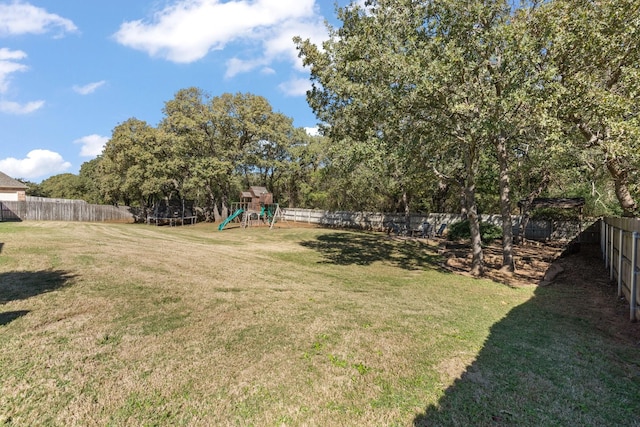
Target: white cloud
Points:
(189, 29)
(8, 65)
(92, 145)
(38, 163)
(88, 88)
(237, 66)
(10, 107)
(313, 131)
(278, 44)
(18, 18)
(295, 87)
(11, 54)
(281, 43)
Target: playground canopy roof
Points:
(258, 191)
(557, 202)
(576, 203)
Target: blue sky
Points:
(71, 70)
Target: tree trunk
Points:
(505, 206)
(407, 209)
(213, 206)
(477, 259)
(216, 213)
(621, 182)
(464, 202)
(291, 194)
(440, 196)
(144, 211)
(225, 208)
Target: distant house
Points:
(12, 190)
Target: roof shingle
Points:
(7, 182)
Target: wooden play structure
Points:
(256, 208)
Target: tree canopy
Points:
(206, 148)
(423, 105)
(448, 84)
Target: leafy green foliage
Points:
(593, 48)
(90, 179)
(63, 186)
(206, 149)
(461, 231)
(133, 168)
(554, 214)
(423, 105)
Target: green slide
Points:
(229, 219)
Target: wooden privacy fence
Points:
(619, 244)
(43, 209)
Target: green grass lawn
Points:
(112, 324)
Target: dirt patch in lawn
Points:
(576, 271)
(532, 260)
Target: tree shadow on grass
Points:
(10, 316)
(559, 359)
(19, 285)
(361, 248)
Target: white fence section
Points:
(536, 229)
(619, 244)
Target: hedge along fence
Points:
(619, 243)
(536, 229)
(43, 209)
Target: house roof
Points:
(7, 182)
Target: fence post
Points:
(612, 238)
(634, 278)
(620, 256)
(603, 236)
(605, 251)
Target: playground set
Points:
(256, 208)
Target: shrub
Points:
(554, 214)
(461, 231)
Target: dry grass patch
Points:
(140, 325)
